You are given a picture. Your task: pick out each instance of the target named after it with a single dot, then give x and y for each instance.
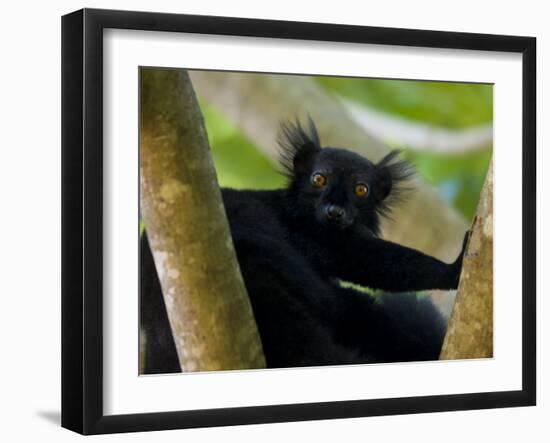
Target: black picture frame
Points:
(82, 218)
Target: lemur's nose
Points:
(334, 212)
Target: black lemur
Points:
(296, 245)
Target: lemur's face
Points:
(340, 187)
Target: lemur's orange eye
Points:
(361, 190)
(318, 180)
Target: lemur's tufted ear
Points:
(299, 147)
(391, 174)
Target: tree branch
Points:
(418, 136)
(208, 307)
(470, 330)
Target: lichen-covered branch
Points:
(208, 307)
(470, 330)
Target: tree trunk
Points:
(208, 307)
(470, 330)
(256, 103)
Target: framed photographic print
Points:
(269, 221)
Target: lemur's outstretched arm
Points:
(381, 264)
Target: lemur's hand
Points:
(456, 266)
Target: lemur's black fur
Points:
(295, 245)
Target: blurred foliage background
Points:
(457, 107)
